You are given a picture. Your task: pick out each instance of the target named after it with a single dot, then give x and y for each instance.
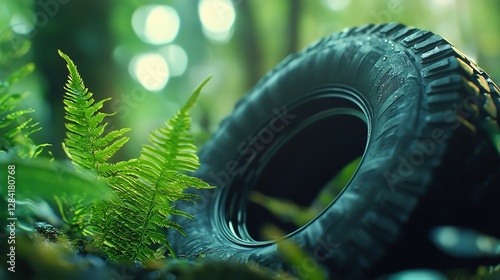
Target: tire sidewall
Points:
(386, 79)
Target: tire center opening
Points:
(297, 178)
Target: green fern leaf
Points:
(172, 146)
(148, 187)
(15, 125)
(85, 143)
(128, 227)
(90, 148)
(172, 151)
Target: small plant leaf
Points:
(46, 178)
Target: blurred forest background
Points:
(148, 55)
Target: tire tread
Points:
(448, 79)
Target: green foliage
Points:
(122, 206)
(127, 226)
(288, 211)
(155, 180)
(12, 46)
(86, 144)
(294, 255)
(47, 178)
(15, 125)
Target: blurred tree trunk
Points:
(81, 29)
(248, 37)
(293, 27)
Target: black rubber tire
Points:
(428, 157)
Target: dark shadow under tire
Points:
(420, 115)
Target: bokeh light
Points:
(150, 70)
(156, 24)
(426, 274)
(336, 5)
(217, 17)
(177, 59)
(21, 25)
(447, 237)
(442, 3)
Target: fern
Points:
(15, 125)
(43, 178)
(126, 228)
(159, 173)
(86, 144)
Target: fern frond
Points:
(15, 125)
(149, 186)
(75, 212)
(86, 144)
(172, 146)
(90, 148)
(160, 164)
(128, 228)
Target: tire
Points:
(421, 116)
